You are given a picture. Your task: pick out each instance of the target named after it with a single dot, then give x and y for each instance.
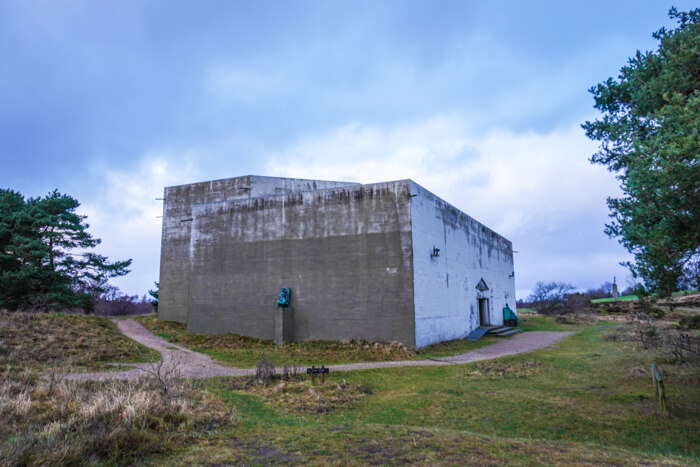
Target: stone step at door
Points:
(476, 334)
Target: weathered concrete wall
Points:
(446, 298)
(345, 252)
(177, 224)
(357, 258)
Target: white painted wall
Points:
(445, 294)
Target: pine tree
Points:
(44, 257)
(650, 137)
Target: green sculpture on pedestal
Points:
(284, 297)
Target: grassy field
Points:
(586, 400)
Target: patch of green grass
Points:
(587, 395)
(623, 298)
(456, 347)
(371, 444)
(168, 336)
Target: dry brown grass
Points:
(47, 419)
(116, 422)
(297, 395)
(505, 369)
(244, 351)
(41, 341)
(667, 340)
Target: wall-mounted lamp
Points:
(512, 274)
(435, 253)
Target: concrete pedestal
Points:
(283, 325)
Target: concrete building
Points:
(384, 261)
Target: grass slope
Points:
(40, 340)
(46, 419)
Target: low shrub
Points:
(662, 339)
(647, 307)
(690, 322)
(576, 303)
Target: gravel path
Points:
(177, 360)
(519, 343)
(182, 362)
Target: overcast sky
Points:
(479, 102)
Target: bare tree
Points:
(607, 288)
(55, 375)
(548, 297)
(265, 371)
(168, 375)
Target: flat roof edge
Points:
(319, 190)
(266, 177)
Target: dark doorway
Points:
(484, 312)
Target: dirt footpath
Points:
(177, 360)
(519, 343)
(182, 362)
